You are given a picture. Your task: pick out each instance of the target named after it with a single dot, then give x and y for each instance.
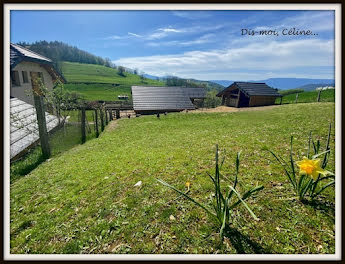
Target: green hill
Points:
(97, 82)
(309, 97)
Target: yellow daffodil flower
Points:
(311, 168)
(188, 185)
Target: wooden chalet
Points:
(246, 94)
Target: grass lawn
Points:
(85, 201)
(95, 91)
(309, 97)
(75, 116)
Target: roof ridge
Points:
(16, 47)
(253, 82)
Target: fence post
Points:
(318, 96)
(83, 126)
(102, 119)
(296, 98)
(96, 123)
(42, 126)
(106, 116)
(117, 113)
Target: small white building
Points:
(27, 65)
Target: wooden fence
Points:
(103, 113)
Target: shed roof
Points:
(253, 89)
(24, 128)
(173, 98)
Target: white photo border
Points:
(338, 130)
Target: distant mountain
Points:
(284, 83)
(152, 77)
(224, 83)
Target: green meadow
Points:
(84, 199)
(96, 82)
(309, 97)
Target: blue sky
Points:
(206, 45)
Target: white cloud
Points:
(134, 35)
(168, 31)
(207, 38)
(295, 58)
(115, 37)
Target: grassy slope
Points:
(84, 201)
(309, 97)
(76, 72)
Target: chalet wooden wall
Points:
(261, 100)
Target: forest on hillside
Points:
(59, 51)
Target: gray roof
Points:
(172, 98)
(253, 89)
(24, 128)
(19, 53)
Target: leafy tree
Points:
(211, 100)
(62, 101)
(121, 70)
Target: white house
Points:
(27, 65)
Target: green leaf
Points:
(280, 160)
(292, 164)
(188, 197)
(305, 188)
(244, 203)
(247, 195)
(319, 154)
(308, 154)
(324, 188)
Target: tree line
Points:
(59, 51)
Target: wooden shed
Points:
(246, 94)
(154, 99)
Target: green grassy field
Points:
(94, 92)
(100, 81)
(85, 201)
(309, 97)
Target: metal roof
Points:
(253, 89)
(19, 53)
(173, 98)
(24, 128)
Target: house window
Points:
(40, 75)
(15, 78)
(25, 77)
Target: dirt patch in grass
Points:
(112, 125)
(225, 109)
